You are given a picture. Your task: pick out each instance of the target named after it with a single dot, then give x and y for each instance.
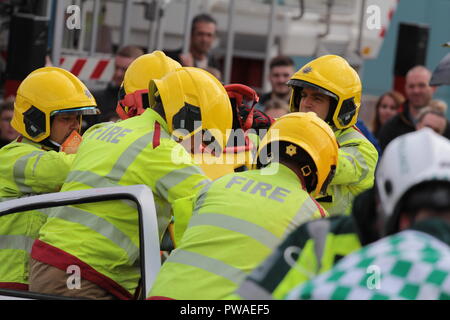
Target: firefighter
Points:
(241, 217)
(133, 92)
(102, 239)
(249, 124)
(47, 109)
(331, 88)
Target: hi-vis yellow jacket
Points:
(238, 220)
(26, 168)
(103, 238)
(357, 160)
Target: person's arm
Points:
(177, 181)
(357, 159)
(45, 171)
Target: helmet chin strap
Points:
(51, 144)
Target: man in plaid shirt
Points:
(413, 261)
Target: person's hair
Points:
(429, 109)
(281, 61)
(418, 68)
(398, 98)
(130, 52)
(439, 105)
(276, 104)
(429, 195)
(202, 17)
(6, 105)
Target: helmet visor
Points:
(305, 84)
(79, 111)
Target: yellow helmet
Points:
(134, 89)
(315, 137)
(193, 100)
(333, 76)
(45, 92)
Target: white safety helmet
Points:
(409, 160)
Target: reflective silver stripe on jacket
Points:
(244, 227)
(304, 213)
(165, 183)
(19, 172)
(16, 242)
(249, 290)
(351, 135)
(214, 266)
(100, 225)
(118, 170)
(318, 230)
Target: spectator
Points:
(439, 104)
(281, 70)
(107, 98)
(432, 118)
(276, 108)
(203, 34)
(418, 95)
(7, 132)
(387, 106)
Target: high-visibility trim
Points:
(129, 155)
(90, 179)
(318, 231)
(101, 226)
(247, 228)
(164, 184)
(211, 265)
(304, 213)
(37, 161)
(16, 242)
(201, 197)
(19, 172)
(361, 161)
(352, 135)
(249, 290)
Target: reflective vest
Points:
(357, 160)
(26, 168)
(103, 238)
(238, 220)
(312, 249)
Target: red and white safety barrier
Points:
(89, 69)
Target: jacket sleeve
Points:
(357, 159)
(175, 179)
(45, 171)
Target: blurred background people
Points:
(107, 98)
(7, 132)
(203, 34)
(276, 108)
(418, 95)
(387, 106)
(432, 118)
(281, 69)
(439, 104)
